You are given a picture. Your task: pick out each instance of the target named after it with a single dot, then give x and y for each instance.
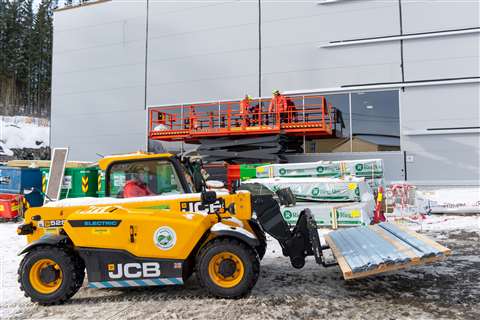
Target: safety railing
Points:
(296, 114)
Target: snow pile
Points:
(23, 132)
(445, 222)
(451, 200)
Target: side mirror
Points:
(208, 197)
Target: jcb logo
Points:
(134, 270)
(194, 206)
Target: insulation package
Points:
(369, 168)
(347, 214)
(321, 189)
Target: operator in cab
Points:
(137, 187)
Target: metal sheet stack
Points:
(376, 248)
(339, 193)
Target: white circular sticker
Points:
(165, 238)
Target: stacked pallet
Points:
(361, 252)
(369, 169)
(338, 193)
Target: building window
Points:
(365, 122)
(375, 121)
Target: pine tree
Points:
(26, 56)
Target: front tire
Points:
(50, 275)
(227, 268)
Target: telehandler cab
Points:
(159, 239)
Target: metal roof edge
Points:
(81, 5)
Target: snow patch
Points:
(90, 201)
(223, 227)
(23, 132)
(450, 200)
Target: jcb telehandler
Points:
(171, 229)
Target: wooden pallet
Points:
(46, 164)
(415, 260)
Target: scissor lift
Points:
(256, 134)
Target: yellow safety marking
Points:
(85, 184)
(44, 184)
(99, 182)
(380, 197)
(355, 213)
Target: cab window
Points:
(144, 178)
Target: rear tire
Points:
(50, 275)
(227, 268)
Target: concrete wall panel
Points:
(293, 32)
(440, 107)
(452, 159)
(438, 15)
(97, 69)
(202, 52)
(455, 56)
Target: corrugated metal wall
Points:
(200, 51)
(98, 79)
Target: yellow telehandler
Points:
(157, 225)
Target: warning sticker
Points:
(85, 184)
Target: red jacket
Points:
(136, 189)
(278, 104)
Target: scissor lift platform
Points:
(310, 116)
(366, 251)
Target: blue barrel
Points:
(17, 180)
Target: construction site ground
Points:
(445, 290)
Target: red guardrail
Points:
(309, 115)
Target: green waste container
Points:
(80, 182)
(249, 171)
(77, 182)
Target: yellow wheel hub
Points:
(226, 269)
(38, 281)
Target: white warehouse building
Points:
(405, 74)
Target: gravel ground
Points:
(446, 290)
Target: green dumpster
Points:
(77, 182)
(80, 182)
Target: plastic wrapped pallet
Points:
(369, 168)
(375, 183)
(348, 214)
(321, 189)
